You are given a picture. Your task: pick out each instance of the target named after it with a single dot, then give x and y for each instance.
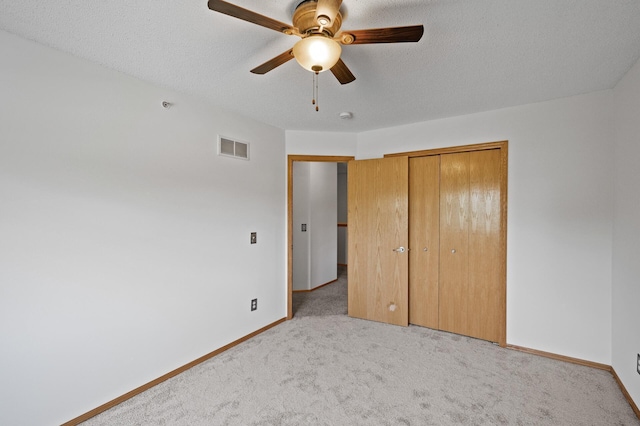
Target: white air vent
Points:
(230, 148)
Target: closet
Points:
(427, 239)
(455, 232)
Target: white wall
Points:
(342, 213)
(324, 220)
(559, 214)
(124, 238)
(314, 204)
(320, 143)
(301, 260)
(626, 235)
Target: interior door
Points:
(378, 257)
(424, 240)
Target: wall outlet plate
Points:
(638, 364)
(254, 304)
(254, 237)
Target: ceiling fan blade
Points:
(384, 35)
(248, 15)
(327, 9)
(342, 73)
(273, 63)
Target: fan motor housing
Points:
(304, 18)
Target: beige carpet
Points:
(323, 369)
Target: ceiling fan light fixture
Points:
(317, 53)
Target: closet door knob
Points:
(424, 249)
(400, 250)
(453, 251)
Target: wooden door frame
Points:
(503, 146)
(290, 160)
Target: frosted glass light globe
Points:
(317, 53)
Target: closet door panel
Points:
(454, 242)
(485, 288)
(424, 238)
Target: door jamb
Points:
(290, 161)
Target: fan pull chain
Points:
(315, 101)
(313, 87)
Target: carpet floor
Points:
(324, 368)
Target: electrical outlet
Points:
(638, 364)
(254, 238)
(254, 304)
(303, 228)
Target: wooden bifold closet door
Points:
(455, 264)
(424, 240)
(427, 240)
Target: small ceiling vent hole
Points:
(231, 148)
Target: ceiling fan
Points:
(317, 23)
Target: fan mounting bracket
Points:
(304, 19)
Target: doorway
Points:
(290, 231)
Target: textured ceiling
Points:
(475, 55)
